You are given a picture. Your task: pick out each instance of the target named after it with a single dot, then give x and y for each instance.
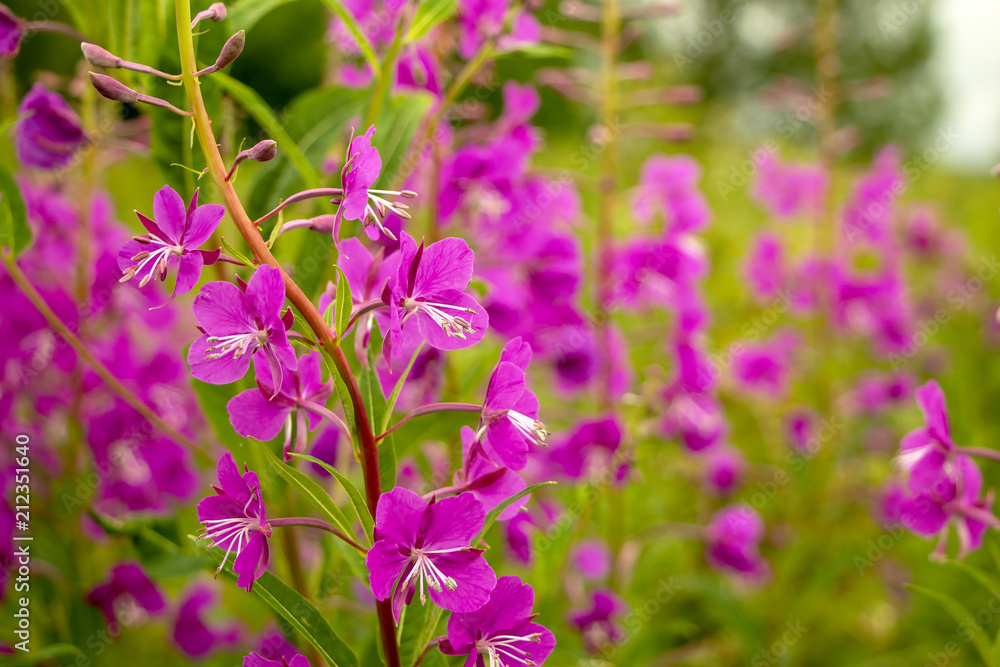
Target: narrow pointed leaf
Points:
(357, 500)
(492, 516)
(963, 617)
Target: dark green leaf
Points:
(40, 655)
(302, 616)
(14, 230)
(390, 404)
(964, 618)
(357, 500)
(244, 14)
(311, 490)
(236, 254)
(344, 304)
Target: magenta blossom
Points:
(724, 469)
(765, 367)
(502, 631)
(238, 322)
(489, 483)
(427, 547)
(48, 132)
(191, 632)
(592, 559)
(257, 660)
(234, 520)
(599, 623)
(925, 451)
(732, 539)
(127, 589)
(953, 498)
(427, 294)
(789, 191)
(261, 413)
(509, 420)
(668, 188)
(11, 32)
(359, 202)
(173, 239)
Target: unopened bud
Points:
(263, 151)
(99, 57)
(215, 12)
(112, 89)
(231, 50)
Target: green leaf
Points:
(342, 392)
(416, 644)
(359, 36)
(236, 254)
(990, 582)
(213, 399)
(429, 14)
(398, 122)
(357, 500)
(267, 119)
(390, 404)
(344, 303)
(38, 656)
(301, 615)
(311, 490)
(14, 230)
(387, 463)
(492, 516)
(964, 618)
(245, 14)
(537, 51)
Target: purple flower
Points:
(668, 187)
(359, 202)
(924, 451)
(765, 367)
(257, 660)
(234, 520)
(765, 269)
(592, 559)
(591, 446)
(237, 323)
(724, 469)
(427, 547)
(173, 239)
(325, 448)
(518, 533)
(869, 213)
(501, 632)
(192, 634)
(599, 623)
(877, 392)
(48, 132)
(489, 483)
(696, 419)
(509, 419)
(428, 295)
(11, 32)
(801, 429)
(127, 590)
(951, 498)
(273, 645)
(731, 541)
(788, 190)
(261, 413)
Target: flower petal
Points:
(188, 272)
(221, 310)
(170, 214)
(265, 294)
(202, 223)
(385, 564)
(452, 522)
(445, 265)
(223, 370)
(398, 516)
(473, 576)
(254, 416)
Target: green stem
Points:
(384, 77)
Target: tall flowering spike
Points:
(128, 584)
(925, 451)
(257, 660)
(501, 632)
(428, 295)
(731, 541)
(261, 413)
(234, 520)
(48, 132)
(173, 238)
(236, 325)
(952, 498)
(509, 419)
(426, 547)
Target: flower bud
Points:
(112, 89)
(231, 50)
(215, 12)
(263, 151)
(98, 57)
(11, 32)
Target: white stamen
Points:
(453, 325)
(501, 647)
(533, 429)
